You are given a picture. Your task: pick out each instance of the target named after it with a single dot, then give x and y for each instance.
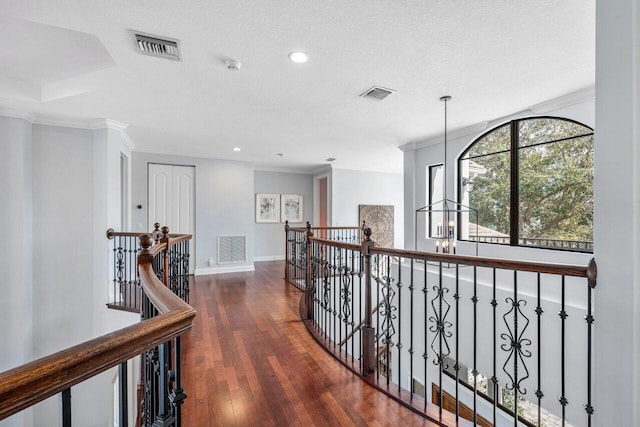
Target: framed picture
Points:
(380, 218)
(292, 208)
(267, 207)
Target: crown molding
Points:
(567, 100)
(455, 134)
(64, 122)
(107, 124)
(297, 170)
(322, 170)
(16, 114)
(126, 142)
(93, 124)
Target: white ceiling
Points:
(77, 59)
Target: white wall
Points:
(60, 190)
(224, 204)
(15, 252)
(269, 238)
(351, 188)
(431, 152)
(617, 214)
(63, 221)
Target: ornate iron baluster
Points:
(425, 353)
(399, 345)
(387, 311)
(515, 346)
(345, 296)
(439, 324)
(563, 317)
(120, 266)
(539, 311)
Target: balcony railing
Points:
(296, 247)
(567, 245)
(165, 317)
(125, 292)
(490, 338)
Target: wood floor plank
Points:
(249, 361)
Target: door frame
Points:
(192, 244)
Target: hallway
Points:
(249, 361)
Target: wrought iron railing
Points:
(125, 292)
(296, 247)
(567, 245)
(160, 382)
(165, 317)
(520, 332)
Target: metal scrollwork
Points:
(440, 325)
(119, 265)
(302, 254)
(387, 311)
(516, 346)
(173, 271)
(326, 286)
(345, 295)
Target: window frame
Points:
(430, 201)
(514, 174)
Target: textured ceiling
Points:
(77, 59)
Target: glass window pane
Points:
(435, 197)
(556, 195)
(537, 131)
(498, 140)
(490, 195)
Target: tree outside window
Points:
(531, 181)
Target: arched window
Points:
(531, 181)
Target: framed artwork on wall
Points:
(380, 219)
(292, 207)
(267, 207)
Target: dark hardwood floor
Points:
(249, 361)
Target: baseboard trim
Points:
(221, 270)
(268, 258)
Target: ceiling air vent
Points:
(156, 46)
(378, 93)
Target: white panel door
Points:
(172, 201)
(160, 194)
(183, 195)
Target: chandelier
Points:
(446, 221)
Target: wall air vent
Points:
(148, 44)
(377, 93)
(232, 249)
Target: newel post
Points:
(145, 242)
(308, 288)
(368, 332)
(165, 256)
(156, 234)
(286, 251)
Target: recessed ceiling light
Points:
(330, 159)
(280, 154)
(236, 148)
(298, 56)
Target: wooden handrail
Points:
(588, 271)
(177, 238)
(337, 243)
(325, 228)
(535, 267)
(28, 384)
(111, 233)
